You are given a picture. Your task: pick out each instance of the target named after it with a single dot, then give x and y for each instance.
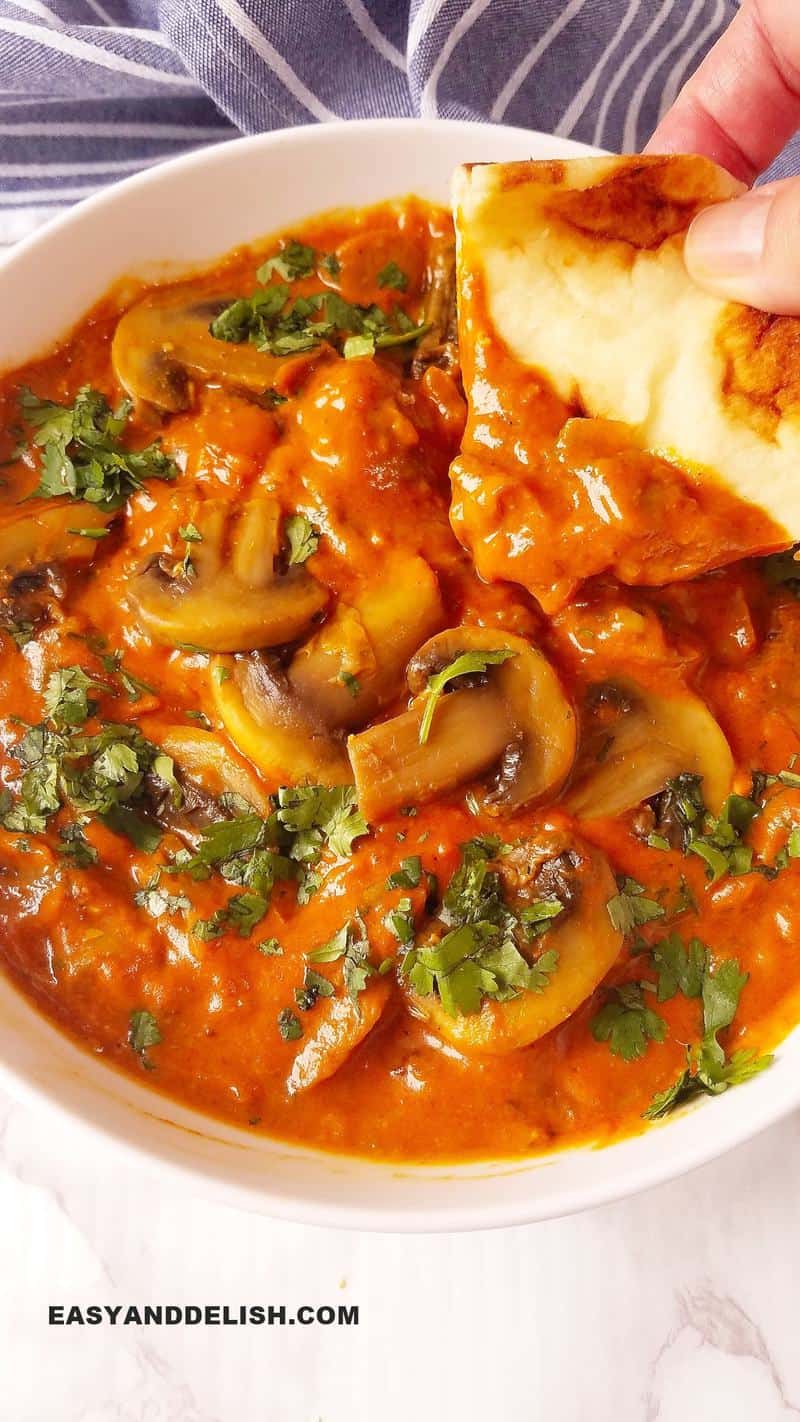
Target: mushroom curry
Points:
(311, 825)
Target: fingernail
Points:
(727, 240)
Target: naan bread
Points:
(577, 268)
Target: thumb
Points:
(749, 249)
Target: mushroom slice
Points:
(273, 729)
(343, 1027)
(355, 664)
(587, 945)
(232, 599)
(538, 756)
(633, 741)
(163, 341)
(515, 716)
(204, 757)
(35, 536)
(392, 769)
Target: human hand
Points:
(741, 107)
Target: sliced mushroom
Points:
(231, 599)
(516, 717)
(206, 759)
(273, 729)
(163, 341)
(355, 664)
(633, 741)
(439, 310)
(343, 1027)
(36, 535)
(587, 945)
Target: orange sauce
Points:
(362, 447)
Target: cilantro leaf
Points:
(314, 987)
(680, 968)
(627, 1023)
(629, 908)
(320, 816)
(143, 1032)
(408, 876)
(722, 988)
(303, 538)
(466, 664)
(81, 453)
(289, 1025)
(351, 943)
(242, 912)
(156, 901)
(76, 848)
(293, 261)
(65, 696)
(393, 277)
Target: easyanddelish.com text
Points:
(208, 1315)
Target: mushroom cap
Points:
(639, 741)
(272, 727)
(541, 750)
(164, 340)
(234, 600)
(587, 945)
(38, 534)
(371, 640)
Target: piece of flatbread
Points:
(574, 295)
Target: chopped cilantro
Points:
(314, 987)
(627, 1023)
(95, 533)
(351, 682)
(466, 664)
(270, 948)
(679, 967)
(393, 277)
(156, 901)
(289, 1025)
(75, 846)
(408, 876)
(350, 943)
(630, 908)
(319, 816)
(293, 261)
(81, 453)
(241, 913)
(400, 921)
(143, 1032)
(65, 697)
(303, 538)
(708, 1069)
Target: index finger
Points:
(742, 104)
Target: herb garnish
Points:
(630, 908)
(466, 664)
(708, 1069)
(143, 1032)
(82, 456)
(351, 944)
(303, 538)
(289, 1025)
(274, 323)
(480, 956)
(393, 277)
(627, 1023)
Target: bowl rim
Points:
(731, 1128)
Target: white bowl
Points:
(185, 213)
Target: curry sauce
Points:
(321, 826)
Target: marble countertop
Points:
(677, 1305)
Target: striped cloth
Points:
(92, 90)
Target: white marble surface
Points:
(679, 1305)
